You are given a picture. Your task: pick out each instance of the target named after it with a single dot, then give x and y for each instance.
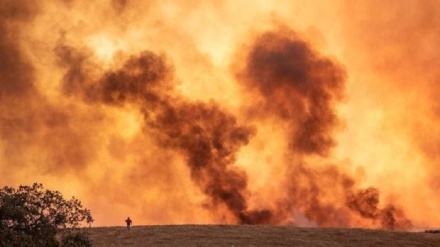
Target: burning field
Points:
(305, 113)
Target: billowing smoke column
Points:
(207, 136)
(301, 88)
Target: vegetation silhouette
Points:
(35, 216)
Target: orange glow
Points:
(254, 112)
(103, 47)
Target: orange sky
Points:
(312, 113)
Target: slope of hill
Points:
(255, 236)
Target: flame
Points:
(252, 112)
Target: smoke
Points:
(16, 75)
(366, 203)
(286, 113)
(301, 87)
(207, 136)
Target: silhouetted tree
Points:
(32, 216)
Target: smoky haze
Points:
(156, 110)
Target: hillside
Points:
(255, 236)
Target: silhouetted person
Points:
(128, 221)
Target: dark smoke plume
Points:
(301, 88)
(207, 136)
(366, 203)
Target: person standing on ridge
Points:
(129, 222)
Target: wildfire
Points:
(247, 112)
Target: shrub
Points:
(78, 239)
(32, 216)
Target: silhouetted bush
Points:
(77, 239)
(32, 216)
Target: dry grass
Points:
(237, 236)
